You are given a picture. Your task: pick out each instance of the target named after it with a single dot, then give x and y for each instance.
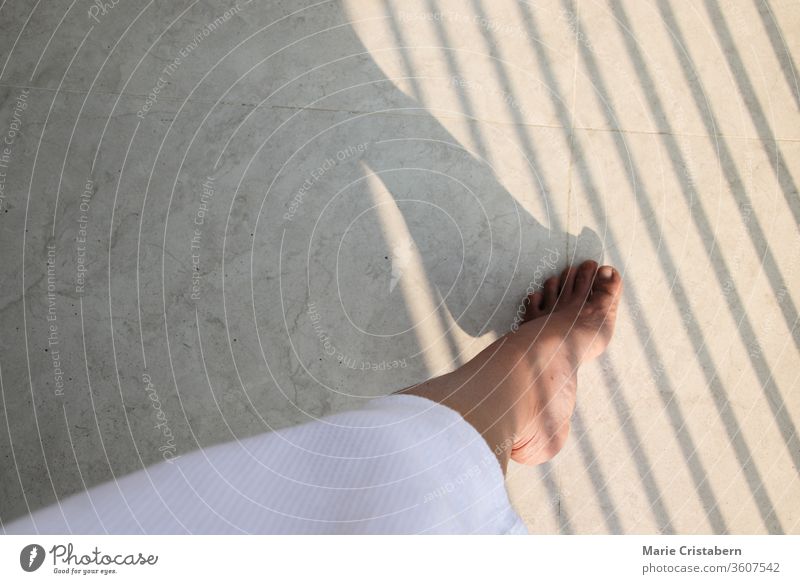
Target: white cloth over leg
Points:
(402, 464)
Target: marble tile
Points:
(87, 403)
(130, 47)
(694, 68)
(685, 405)
(507, 63)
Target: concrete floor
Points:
(218, 218)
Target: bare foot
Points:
(520, 391)
(570, 322)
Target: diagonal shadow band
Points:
(732, 176)
(779, 48)
(779, 167)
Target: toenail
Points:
(605, 273)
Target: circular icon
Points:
(31, 557)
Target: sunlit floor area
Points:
(224, 218)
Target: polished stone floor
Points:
(221, 218)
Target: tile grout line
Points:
(572, 129)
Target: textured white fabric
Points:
(402, 464)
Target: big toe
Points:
(607, 281)
(599, 314)
(606, 286)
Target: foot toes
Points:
(607, 284)
(567, 284)
(606, 288)
(601, 286)
(533, 306)
(550, 294)
(584, 277)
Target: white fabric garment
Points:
(402, 464)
